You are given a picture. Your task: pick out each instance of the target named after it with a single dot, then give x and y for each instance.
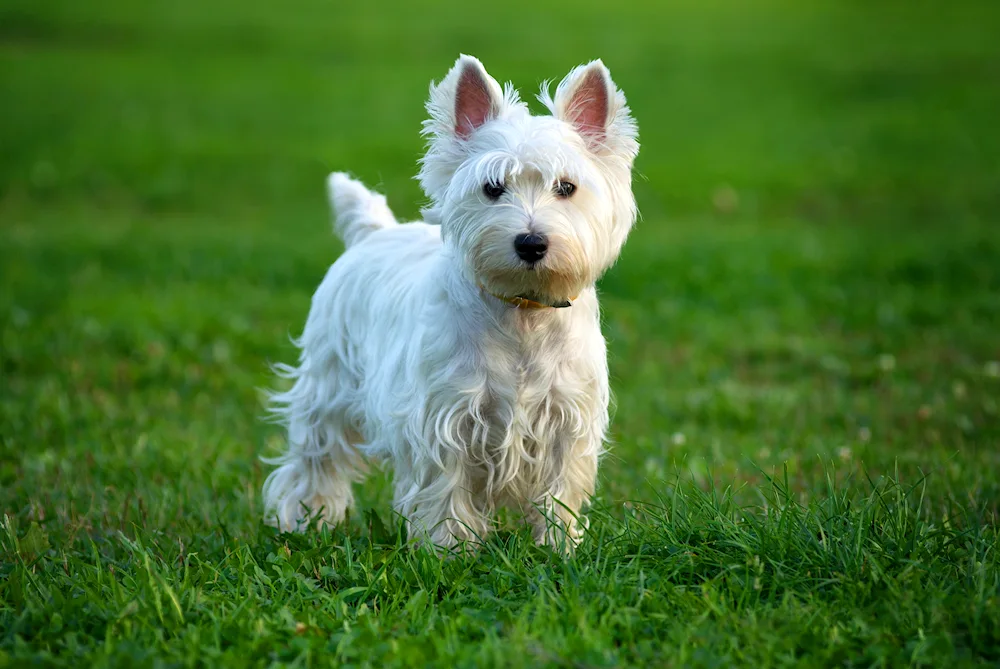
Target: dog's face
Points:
(533, 206)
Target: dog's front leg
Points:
(557, 516)
(441, 507)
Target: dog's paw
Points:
(294, 505)
(558, 537)
(301, 516)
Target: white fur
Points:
(406, 358)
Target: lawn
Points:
(804, 333)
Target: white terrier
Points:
(467, 349)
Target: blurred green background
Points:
(815, 277)
(813, 288)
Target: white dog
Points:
(467, 350)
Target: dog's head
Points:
(533, 206)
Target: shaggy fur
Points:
(411, 356)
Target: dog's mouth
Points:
(553, 280)
(534, 287)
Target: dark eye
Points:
(493, 190)
(565, 188)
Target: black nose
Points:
(531, 248)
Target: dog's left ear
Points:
(588, 100)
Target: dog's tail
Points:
(357, 212)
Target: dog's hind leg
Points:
(314, 476)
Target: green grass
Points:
(804, 334)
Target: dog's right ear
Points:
(459, 106)
(467, 98)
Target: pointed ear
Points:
(467, 98)
(589, 101)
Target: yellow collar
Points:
(525, 303)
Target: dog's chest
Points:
(531, 402)
(511, 404)
(527, 415)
